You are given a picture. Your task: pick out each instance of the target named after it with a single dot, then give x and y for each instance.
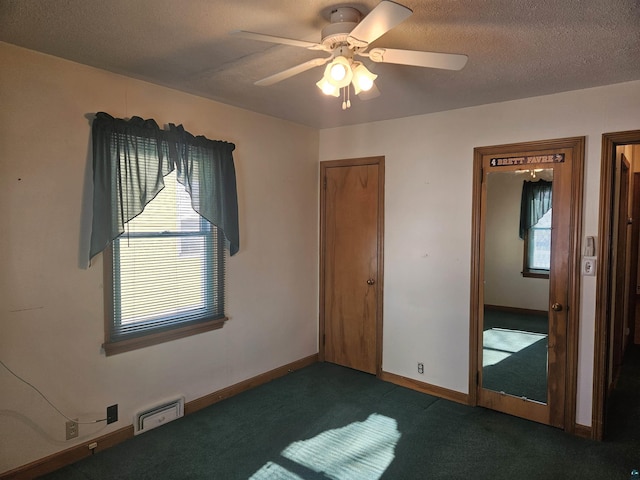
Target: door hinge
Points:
(481, 174)
(324, 339)
(477, 378)
(325, 183)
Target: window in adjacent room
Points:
(535, 227)
(537, 248)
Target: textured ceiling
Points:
(516, 49)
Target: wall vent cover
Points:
(157, 415)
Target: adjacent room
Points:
(344, 187)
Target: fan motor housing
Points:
(343, 20)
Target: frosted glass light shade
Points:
(327, 88)
(338, 73)
(362, 79)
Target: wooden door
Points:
(351, 263)
(560, 311)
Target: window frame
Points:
(163, 333)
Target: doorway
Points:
(607, 345)
(351, 262)
(525, 283)
(620, 271)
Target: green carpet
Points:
(515, 353)
(327, 421)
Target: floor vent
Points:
(151, 418)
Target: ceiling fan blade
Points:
(380, 20)
(446, 61)
(290, 72)
(281, 40)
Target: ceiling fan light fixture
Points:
(327, 88)
(348, 36)
(362, 79)
(338, 73)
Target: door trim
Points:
(577, 145)
(610, 141)
(324, 165)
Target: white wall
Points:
(51, 304)
(504, 284)
(429, 163)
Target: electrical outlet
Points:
(589, 266)
(72, 429)
(112, 414)
(420, 368)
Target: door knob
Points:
(371, 281)
(556, 307)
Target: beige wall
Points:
(429, 162)
(51, 306)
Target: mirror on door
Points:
(515, 320)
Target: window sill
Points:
(536, 274)
(113, 348)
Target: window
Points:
(167, 273)
(535, 227)
(537, 248)
(165, 211)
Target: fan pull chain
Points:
(346, 98)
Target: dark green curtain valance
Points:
(131, 159)
(536, 201)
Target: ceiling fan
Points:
(347, 38)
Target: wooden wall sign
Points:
(529, 160)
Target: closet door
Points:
(351, 266)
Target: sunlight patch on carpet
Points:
(273, 471)
(500, 343)
(359, 451)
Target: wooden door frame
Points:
(324, 165)
(577, 145)
(610, 142)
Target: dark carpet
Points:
(523, 372)
(327, 421)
